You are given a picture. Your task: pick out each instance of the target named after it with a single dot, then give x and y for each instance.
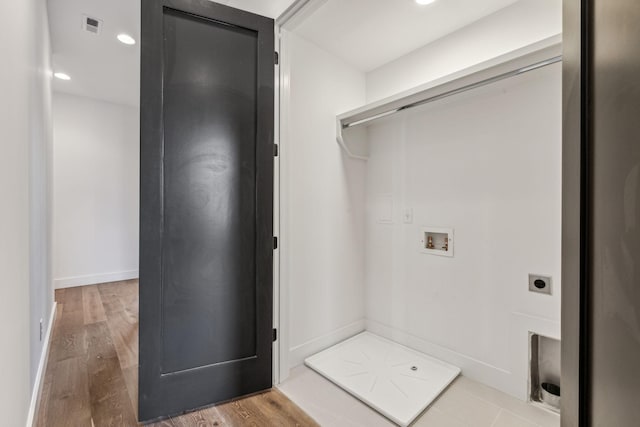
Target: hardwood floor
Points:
(92, 372)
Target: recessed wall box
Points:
(544, 371)
(436, 241)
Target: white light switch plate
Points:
(384, 208)
(407, 216)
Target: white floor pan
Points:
(394, 380)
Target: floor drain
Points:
(414, 368)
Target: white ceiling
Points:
(270, 8)
(99, 65)
(370, 33)
(365, 33)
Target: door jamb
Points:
(281, 217)
(276, 215)
(575, 212)
(290, 18)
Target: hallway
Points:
(92, 371)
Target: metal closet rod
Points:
(458, 90)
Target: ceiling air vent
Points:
(92, 25)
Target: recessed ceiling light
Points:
(423, 2)
(61, 76)
(126, 39)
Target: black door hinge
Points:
(276, 150)
(275, 334)
(276, 57)
(275, 242)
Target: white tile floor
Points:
(465, 403)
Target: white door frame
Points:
(290, 18)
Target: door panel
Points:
(615, 215)
(206, 206)
(209, 192)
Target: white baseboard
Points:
(71, 282)
(300, 352)
(44, 357)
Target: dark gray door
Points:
(206, 242)
(601, 270)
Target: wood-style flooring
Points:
(92, 372)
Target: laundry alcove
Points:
(378, 148)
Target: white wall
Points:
(322, 205)
(488, 164)
(25, 138)
(14, 215)
(96, 191)
(522, 24)
(41, 134)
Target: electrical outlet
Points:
(540, 284)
